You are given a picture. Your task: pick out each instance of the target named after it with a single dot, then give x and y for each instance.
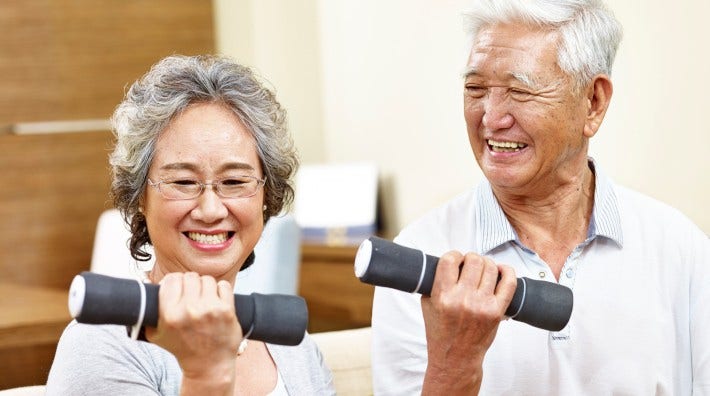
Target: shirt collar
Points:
(493, 228)
(606, 220)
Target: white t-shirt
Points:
(641, 318)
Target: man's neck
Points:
(552, 224)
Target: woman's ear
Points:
(598, 96)
(141, 202)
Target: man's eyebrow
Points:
(469, 71)
(524, 78)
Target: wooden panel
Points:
(66, 60)
(336, 298)
(31, 321)
(71, 59)
(24, 366)
(50, 314)
(54, 187)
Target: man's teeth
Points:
(212, 239)
(506, 147)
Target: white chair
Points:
(111, 255)
(278, 259)
(275, 270)
(347, 353)
(32, 390)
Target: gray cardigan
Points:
(102, 360)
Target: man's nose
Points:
(496, 109)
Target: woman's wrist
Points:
(211, 380)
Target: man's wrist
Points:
(451, 381)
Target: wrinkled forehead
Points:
(517, 36)
(513, 51)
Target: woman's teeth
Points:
(505, 147)
(212, 239)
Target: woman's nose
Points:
(210, 207)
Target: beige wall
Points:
(279, 39)
(379, 80)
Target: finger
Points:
(171, 289)
(505, 289)
(192, 286)
(208, 287)
(447, 272)
(225, 291)
(489, 276)
(471, 270)
(169, 295)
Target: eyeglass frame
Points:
(214, 185)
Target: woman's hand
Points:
(197, 324)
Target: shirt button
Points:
(542, 274)
(569, 272)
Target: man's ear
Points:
(598, 96)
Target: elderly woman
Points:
(202, 160)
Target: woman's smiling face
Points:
(209, 234)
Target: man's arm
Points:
(461, 319)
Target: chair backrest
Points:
(32, 390)
(347, 354)
(111, 255)
(278, 259)
(278, 255)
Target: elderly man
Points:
(536, 89)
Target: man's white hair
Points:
(589, 32)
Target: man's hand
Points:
(461, 319)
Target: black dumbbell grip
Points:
(100, 299)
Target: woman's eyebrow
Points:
(179, 166)
(193, 167)
(236, 166)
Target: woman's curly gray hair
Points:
(165, 91)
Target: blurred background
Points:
(364, 81)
